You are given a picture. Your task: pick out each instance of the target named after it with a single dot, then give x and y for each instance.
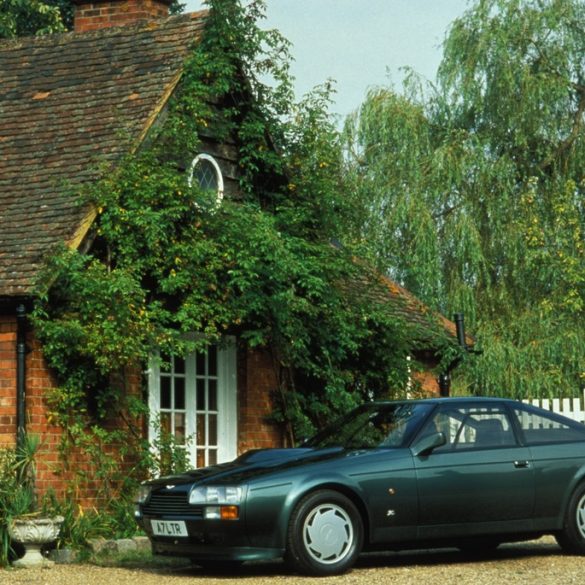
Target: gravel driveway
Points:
(534, 562)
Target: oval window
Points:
(206, 171)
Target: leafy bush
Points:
(8, 488)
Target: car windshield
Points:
(373, 426)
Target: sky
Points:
(359, 43)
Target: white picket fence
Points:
(570, 407)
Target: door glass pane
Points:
(212, 396)
(179, 365)
(200, 363)
(212, 457)
(165, 392)
(212, 438)
(165, 422)
(201, 442)
(180, 427)
(200, 394)
(179, 393)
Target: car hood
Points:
(254, 464)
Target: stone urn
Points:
(33, 532)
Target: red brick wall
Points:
(96, 14)
(428, 381)
(7, 381)
(256, 383)
(38, 380)
(76, 470)
(53, 472)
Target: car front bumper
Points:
(208, 540)
(205, 552)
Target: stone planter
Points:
(33, 533)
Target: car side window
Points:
(542, 427)
(470, 427)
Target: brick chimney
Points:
(95, 14)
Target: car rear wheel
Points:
(325, 534)
(572, 537)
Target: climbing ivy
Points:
(273, 267)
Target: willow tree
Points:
(473, 189)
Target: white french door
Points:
(195, 400)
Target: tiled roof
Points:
(418, 314)
(425, 326)
(67, 103)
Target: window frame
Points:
(203, 156)
(227, 419)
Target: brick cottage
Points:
(94, 94)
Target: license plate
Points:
(169, 528)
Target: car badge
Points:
(169, 487)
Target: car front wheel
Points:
(325, 534)
(572, 537)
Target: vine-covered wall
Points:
(272, 265)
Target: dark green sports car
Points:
(465, 472)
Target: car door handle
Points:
(521, 464)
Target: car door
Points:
(557, 447)
(481, 481)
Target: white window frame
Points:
(227, 420)
(218, 174)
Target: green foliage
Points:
(39, 17)
(168, 455)
(25, 469)
(28, 17)
(8, 488)
(112, 520)
(17, 488)
(475, 189)
(167, 261)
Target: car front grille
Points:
(166, 504)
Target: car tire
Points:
(325, 534)
(572, 536)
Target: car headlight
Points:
(143, 494)
(219, 502)
(216, 495)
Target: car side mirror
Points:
(428, 444)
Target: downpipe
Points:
(21, 327)
(444, 379)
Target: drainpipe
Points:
(460, 328)
(20, 374)
(445, 377)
